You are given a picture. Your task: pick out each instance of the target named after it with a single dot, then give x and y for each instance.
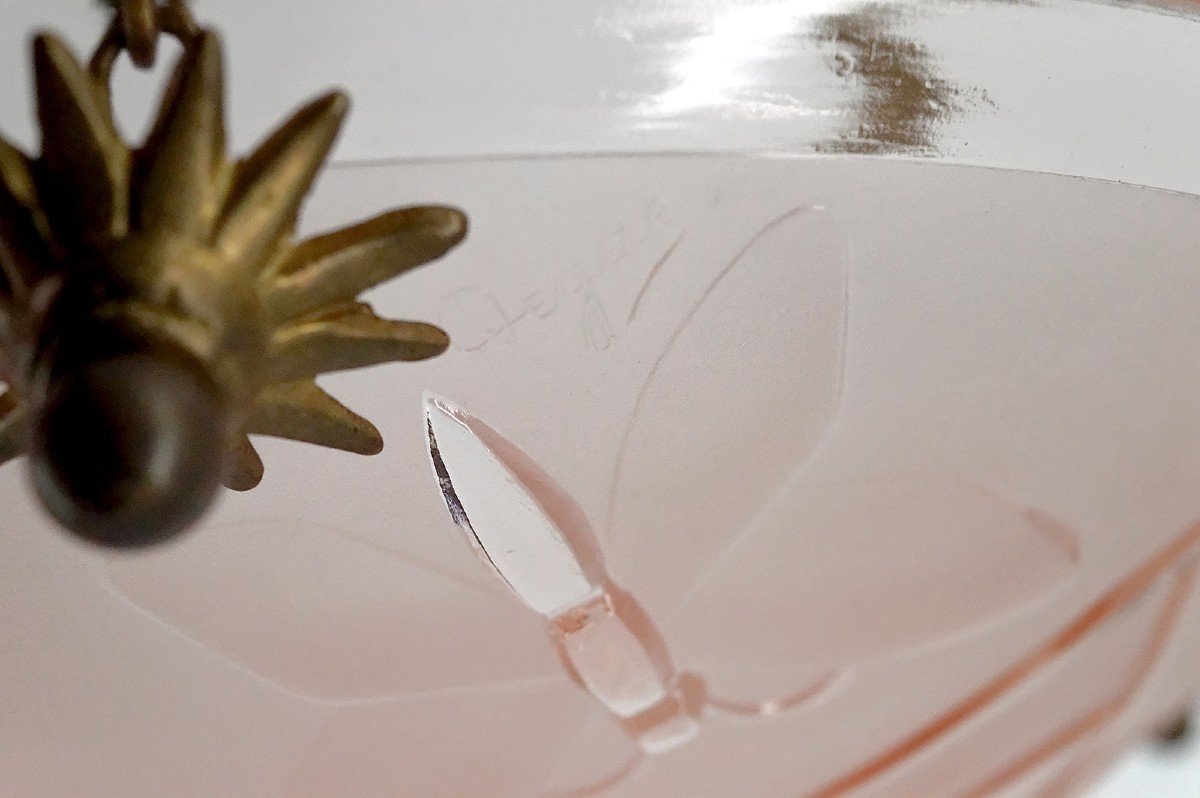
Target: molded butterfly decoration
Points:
(158, 307)
(639, 637)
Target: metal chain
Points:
(140, 22)
(130, 31)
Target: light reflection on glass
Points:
(717, 67)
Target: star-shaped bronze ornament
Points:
(158, 307)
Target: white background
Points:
(1156, 773)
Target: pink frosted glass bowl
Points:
(841, 354)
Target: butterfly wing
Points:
(738, 400)
(330, 617)
(831, 574)
(765, 584)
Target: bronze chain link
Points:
(139, 23)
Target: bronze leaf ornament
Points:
(158, 307)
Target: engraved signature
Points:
(479, 318)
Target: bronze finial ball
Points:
(127, 451)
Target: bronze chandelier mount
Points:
(156, 304)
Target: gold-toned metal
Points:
(136, 29)
(194, 251)
(139, 25)
(903, 100)
(1179, 732)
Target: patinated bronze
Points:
(157, 306)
